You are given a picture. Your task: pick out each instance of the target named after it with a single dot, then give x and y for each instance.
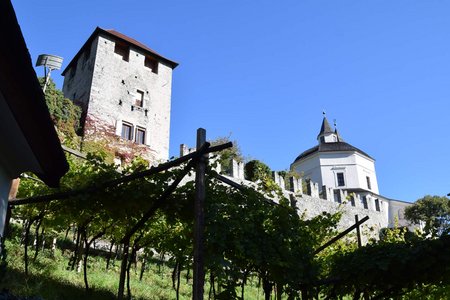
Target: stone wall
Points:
(312, 200)
(107, 87)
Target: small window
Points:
(127, 131)
(151, 63)
(123, 50)
(337, 196)
(352, 200)
(322, 140)
(364, 202)
(139, 98)
(140, 136)
(340, 179)
(377, 204)
(369, 186)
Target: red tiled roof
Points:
(124, 38)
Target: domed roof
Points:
(330, 147)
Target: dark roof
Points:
(24, 98)
(339, 138)
(330, 147)
(123, 38)
(325, 128)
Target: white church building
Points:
(346, 173)
(334, 175)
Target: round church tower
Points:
(336, 164)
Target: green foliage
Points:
(386, 270)
(257, 170)
(225, 156)
(434, 212)
(249, 234)
(101, 148)
(65, 114)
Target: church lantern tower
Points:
(337, 164)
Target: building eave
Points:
(23, 97)
(123, 38)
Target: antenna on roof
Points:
(50, 63)
(335, 124)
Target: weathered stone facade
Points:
(124, 89)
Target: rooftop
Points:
(122, 37)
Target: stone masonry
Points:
(312, 201)
(124, 89)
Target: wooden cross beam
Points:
(340, 235)
(102, 186)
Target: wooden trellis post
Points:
(199, 221)
(358, 232)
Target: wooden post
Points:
(358, 232)
(199, 221)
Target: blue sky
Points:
(261, 72)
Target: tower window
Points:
(340, 179)
(127, 131)
(123, 50)
(151, 63)
(140, 136)
(369, 186)
(377, 204)
(364, 202)
(140, 98)
(337, 196)
(352, 200)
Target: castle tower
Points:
(124, 89)
(337, 164)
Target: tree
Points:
(225, 156)
(256, 169)
(64, 113)
(434, 211)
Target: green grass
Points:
(49, 279)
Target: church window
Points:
(139, 99)
(337, 196)
(140, 136)
(127, 131)
(377, 204)
(151, 63)
(364, 202)
(340, 179)
(123, 50)
(352, 200)
(369, 186)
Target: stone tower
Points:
(124, 89)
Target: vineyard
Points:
(234, 241)
(248, 237)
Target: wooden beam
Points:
(358, 232)
(237, 185)
(128, 178)
(340, 235)
(157, 204)
(199, 220)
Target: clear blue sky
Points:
(261, 72)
